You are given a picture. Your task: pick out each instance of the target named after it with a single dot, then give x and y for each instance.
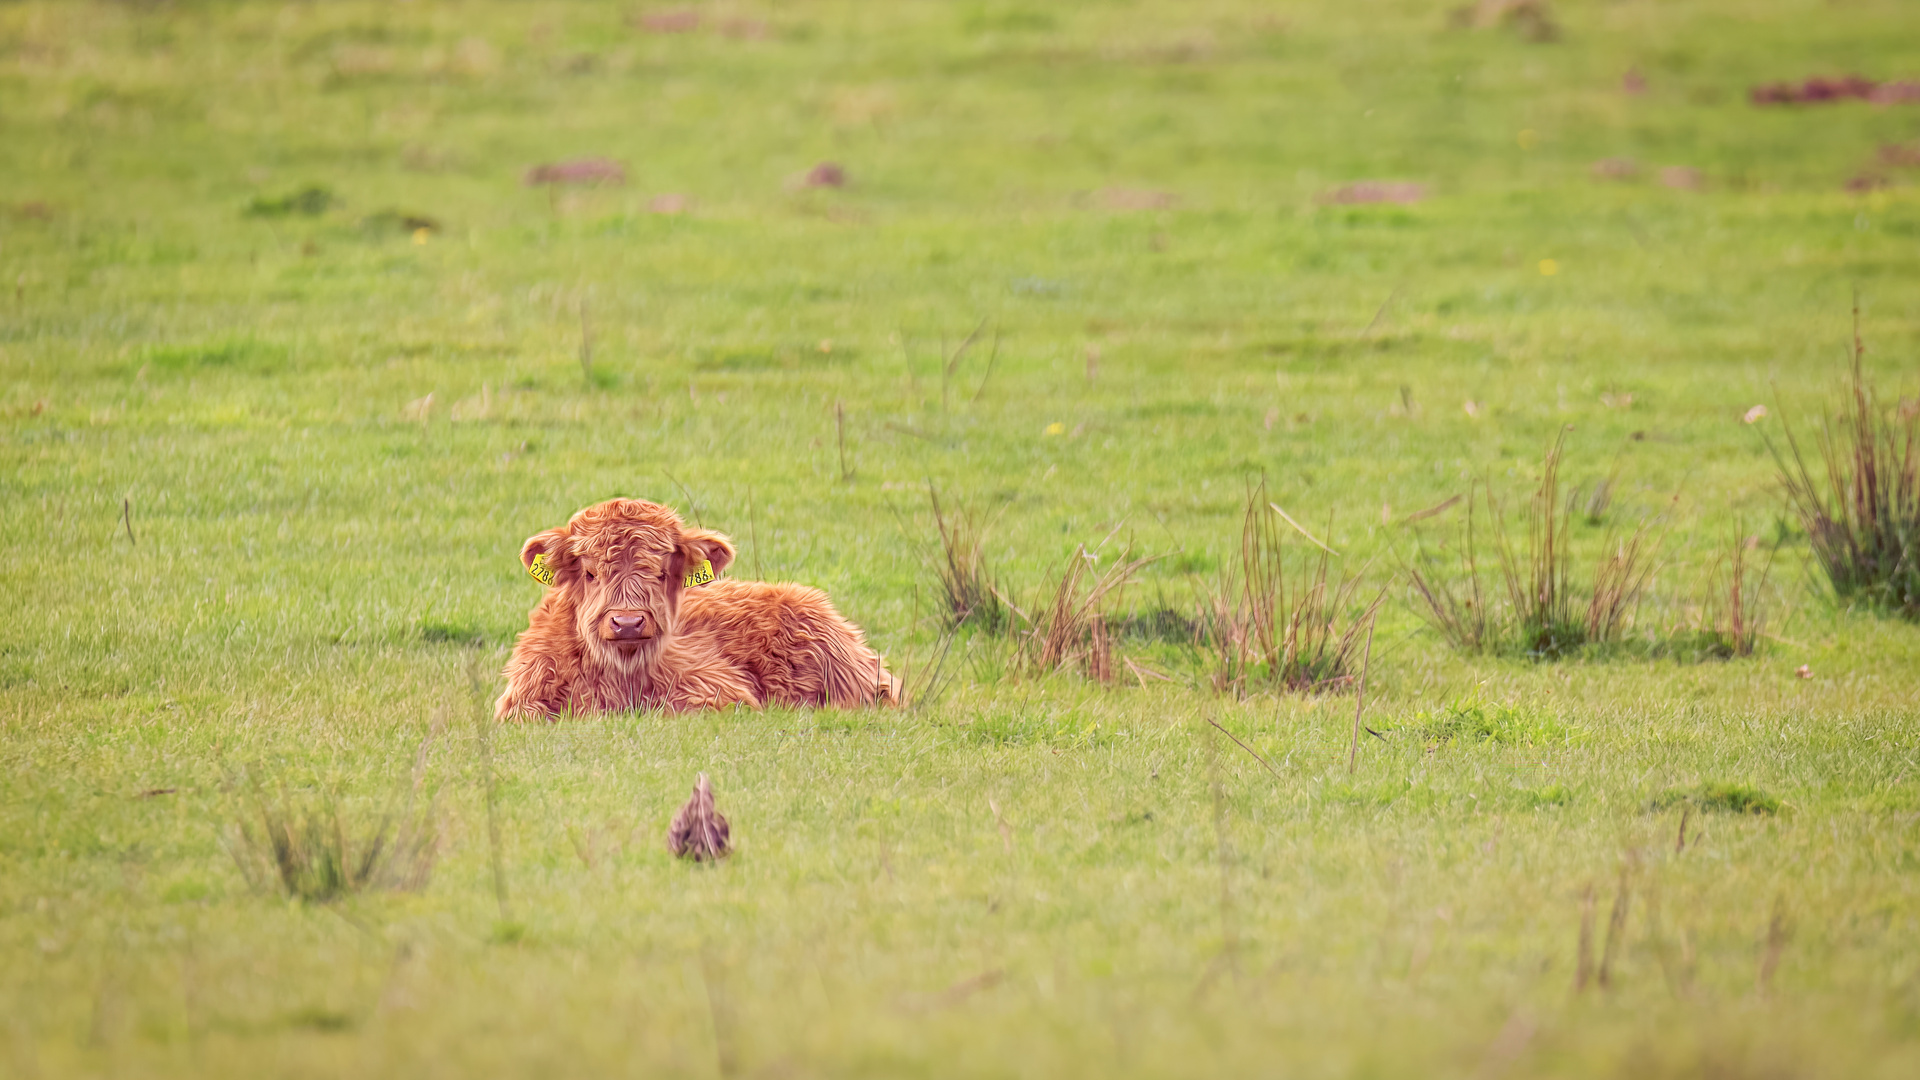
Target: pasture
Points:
(293, 358)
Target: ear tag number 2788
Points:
(539, 571)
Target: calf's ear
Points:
(699, 545)
(545, 553)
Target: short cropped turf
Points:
(293, 358)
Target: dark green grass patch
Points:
(1473, 721)
(244, 355)
(305, 202)
(1716, 795)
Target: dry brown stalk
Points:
(698, 831)
(1143, 673)
(840, 437)
(1256, 754)
(1099, 650)
(950, 362)
(1778, 931)
(1360, 700)
(1432, 511)
(582, 843)
(1583, 962)
(1000, 822)
(1616, 924)
(1742, 622)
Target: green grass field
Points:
(269, 458)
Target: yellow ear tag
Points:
(700, 574)
(539, 571)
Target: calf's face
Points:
(622, 565)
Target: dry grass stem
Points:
(840, 438)
(1778, 931)
(1000, 822)
(1242, 745)
(1616, 925)
(1583, 960)
(1360, 698)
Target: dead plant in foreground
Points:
(1862, 516)
(698, 832)
(1264, 629)
(307, 848)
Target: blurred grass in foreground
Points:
(291, 361)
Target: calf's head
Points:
(622, 566)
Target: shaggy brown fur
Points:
(618, 629)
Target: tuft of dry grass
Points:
(972, 593)
(1542, 614)
(1268, 627)
(1619, 581)
(1736, 596)
(1458, 611)
(1070, 631)
(310, 851)
(1538, 586)
(1861, 513)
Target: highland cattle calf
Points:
(634, 618)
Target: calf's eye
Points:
(590, 576)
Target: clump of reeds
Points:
(1545, 612)
(972, 594)
(1861, 513)
(309, 849)
(1069, 632)
(1268, 626)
